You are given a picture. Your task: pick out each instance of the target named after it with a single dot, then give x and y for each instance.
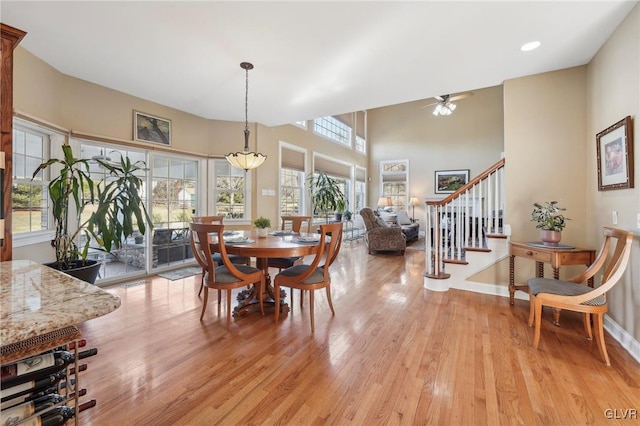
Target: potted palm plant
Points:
(119, 210)
(326, 195)
(550, 221)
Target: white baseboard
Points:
(623, 337)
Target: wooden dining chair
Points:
(573, 295)
(214, 220)
(315, 275)
(226, 276)
(291, 223)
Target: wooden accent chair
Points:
(573, 295)
(380, 236)
(214, 220)
(226, 276)
(313, 276)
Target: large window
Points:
(291, 190)
(174, 190)
(360, 190)
(230, 191)
(394, 178)
(337, 170)
(361, 131)
(31, 145)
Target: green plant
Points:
(548, 216)
(326, 195)
(119, 211)
(262, 222)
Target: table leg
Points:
(249, 298)
(539, 269)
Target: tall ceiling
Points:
(311, 58)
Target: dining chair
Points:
(226, 276)
(573, 295)
(315, 275)
(215, 220)
(294, 224)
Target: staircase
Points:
(464, 232)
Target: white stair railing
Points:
(462, 221)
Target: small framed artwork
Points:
(614, 147)
(149, 128)
(449, 181)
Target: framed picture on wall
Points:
(449, 181)
(614, 147)
(149, 128)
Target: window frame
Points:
(395, 176)
(211, 205)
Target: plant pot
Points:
(338, 217)
(139, 239)
(262, 232)
(86, 271)
(550, 238)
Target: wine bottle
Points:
(72, 345)
(39, 366)
(61, 415)
(37, 395)
(32, 386)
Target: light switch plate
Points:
(614, 217)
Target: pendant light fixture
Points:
(246, 159)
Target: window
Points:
(360, 189)
(230, 191)
(361, 132)
(337, 170)
(333, 129)
(30, 198)
(291, 186)
(394, 178)
(174, 190)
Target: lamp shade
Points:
(414, 201)
(385, 202)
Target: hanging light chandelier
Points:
(246, 159)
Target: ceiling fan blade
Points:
(428, 105)
(461, 96)
(441, 97)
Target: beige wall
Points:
(470, 138)
(613, 88)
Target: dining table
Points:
(275, 244)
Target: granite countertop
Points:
(36, 299)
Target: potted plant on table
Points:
(262, 224)
(550, 221)
(326, 195)
(119, 210)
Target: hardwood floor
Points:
(394, 353)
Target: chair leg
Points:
(301, 298)
(311, 293)
(219, 296)
(599, 329)
(204, 302)
(538, 320)
(586, 321)
(276, 290)
(330, 301)
(532, 302)
(201, 283)
(228, 309)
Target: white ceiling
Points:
(311, 58)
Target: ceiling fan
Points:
(445, 105)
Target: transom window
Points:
(333, 129)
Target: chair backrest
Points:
(369, 218)
(328, 252)
(296, 223)
(612, 266)
(215, 220)
(200, 236)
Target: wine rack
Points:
(67, 384)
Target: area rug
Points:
(178, 274)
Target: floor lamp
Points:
(413, 202)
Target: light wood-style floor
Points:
(395, 353)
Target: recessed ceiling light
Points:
(530, 46)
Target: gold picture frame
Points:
(614, 148)
(150, 128)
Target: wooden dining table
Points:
(275, 244)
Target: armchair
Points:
(381, 237)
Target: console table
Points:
(557, 257)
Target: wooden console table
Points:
(557, 257)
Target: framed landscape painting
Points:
(614, 147)
(449, 181)
(149, 128)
